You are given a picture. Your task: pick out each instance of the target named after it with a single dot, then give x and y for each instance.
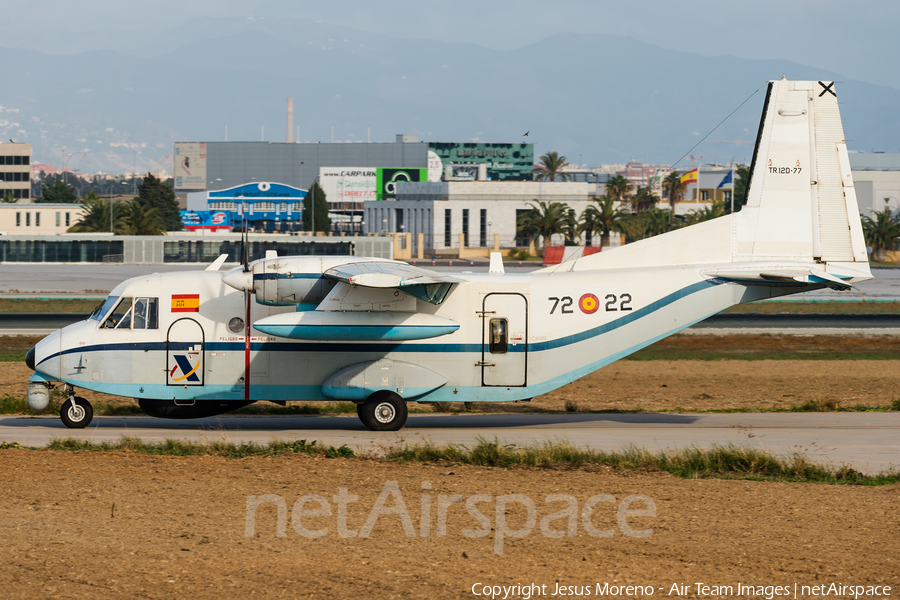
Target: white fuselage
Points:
(561, 326)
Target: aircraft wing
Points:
(430, 286)
(387, 275)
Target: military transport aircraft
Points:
(380, 333)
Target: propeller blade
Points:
(247, 347)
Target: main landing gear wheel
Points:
(383, 411)
(77, 414)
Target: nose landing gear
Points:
(76, 412)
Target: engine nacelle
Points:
(168, 409)
(295, 279)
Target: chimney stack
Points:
(290, 121)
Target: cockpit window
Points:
(146, 313)
(134, 313)
(101, 310)
(119, 315)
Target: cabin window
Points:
(498, 339)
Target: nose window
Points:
(498, 339)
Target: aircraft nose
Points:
(29, 359)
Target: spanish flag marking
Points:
(690, 176)
(589, 303)
(185, 303)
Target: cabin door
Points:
(184, 353)
(504, 345)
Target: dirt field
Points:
(125, 526)
(668, 385)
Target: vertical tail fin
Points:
(800, 203)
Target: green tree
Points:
(881, 233)
(546, 220)
(715, 210)
(605, 218)
(141, 220)
(551, 167)
(673, 189)
(741, 178)
(644, 199)
(96, 216)
(619, 189)
(8, 198)
(647, 223)
(59, 192)
(316, 196)
(152, 193)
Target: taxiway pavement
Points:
(870, 442)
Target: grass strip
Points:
(772, 347)
(717, 462)
(210, 448)
(721, 462)
(796, 307)
(83, 306)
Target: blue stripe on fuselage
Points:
(383, 347)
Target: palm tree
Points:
(717, 209)
(647, 223)
(673, 187)
(619, 189)
(881, 233)
(545, 220)
(551, 167)
(96, 217)
(643, 199)
(741, 178)
(129, 218)
(604, 218)
(143, 220)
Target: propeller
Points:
(248, 277)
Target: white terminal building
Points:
(468, 214)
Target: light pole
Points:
(68, 156)
(111, 230)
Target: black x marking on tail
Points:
(827, 88)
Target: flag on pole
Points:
(690, 177)
(729, 178)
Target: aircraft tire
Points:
(383, 411)
(77, 415)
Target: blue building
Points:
(267, 206)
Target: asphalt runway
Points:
(19, 278)
(870, 442)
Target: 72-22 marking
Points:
(613, 303)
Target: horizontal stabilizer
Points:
(775, 277)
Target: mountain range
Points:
(127, 96)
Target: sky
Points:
(858, 39)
